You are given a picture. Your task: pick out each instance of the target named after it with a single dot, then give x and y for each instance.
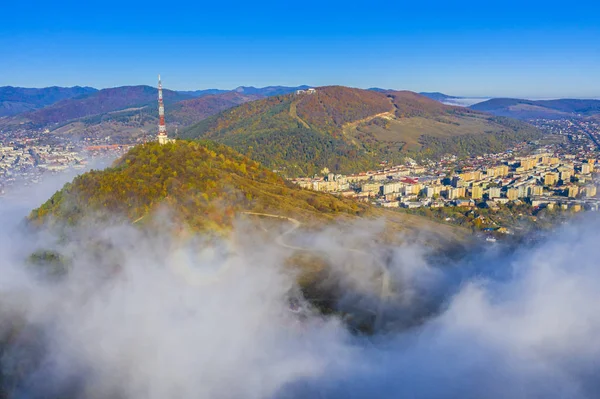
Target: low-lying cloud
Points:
(144, 315)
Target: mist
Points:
(142, 314)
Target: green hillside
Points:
(349, 130)
(205, 185)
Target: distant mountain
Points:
(437, 96)
(100, 102)
(533, 109)
(202, 93)
(269, 90)
(249, 90)
(379, 90)
(128, 123)
(349, 130)
(205, 185)
(192, 111)
(16, 100)
(127, 110)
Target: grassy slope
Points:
(408, 131)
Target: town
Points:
(557, 173)
(28, 156)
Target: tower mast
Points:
(162, 128)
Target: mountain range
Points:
(133, 108)
(16, 100)
(101, 102)
(91, 106)
(248, 90)
(349, 130)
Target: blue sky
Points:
(524, 48)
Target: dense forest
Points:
(204, 184)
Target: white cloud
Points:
(149, 316)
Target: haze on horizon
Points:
(470, 49)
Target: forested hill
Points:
(204, 184)
(349, 130)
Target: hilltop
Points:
(546, 109)
(205, 185)
(349, 130)
(437, 96)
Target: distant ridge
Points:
(192, 111)
(249, 90)
(269, 91)
(202, 93)
(89, 106)
(437, 96)
(533, 109)
(16, 100)
(99, 102)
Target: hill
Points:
(192, 111)
(437, 96)
(16, 100)
(547, 109)
(205, 185)
(349, 130)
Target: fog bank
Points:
(145, 315)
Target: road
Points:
(385, 290)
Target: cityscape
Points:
(539, 175)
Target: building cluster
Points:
(577, 131)
(28, 163)
(307, 91)
(543, 179)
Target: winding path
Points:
(385, 290)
